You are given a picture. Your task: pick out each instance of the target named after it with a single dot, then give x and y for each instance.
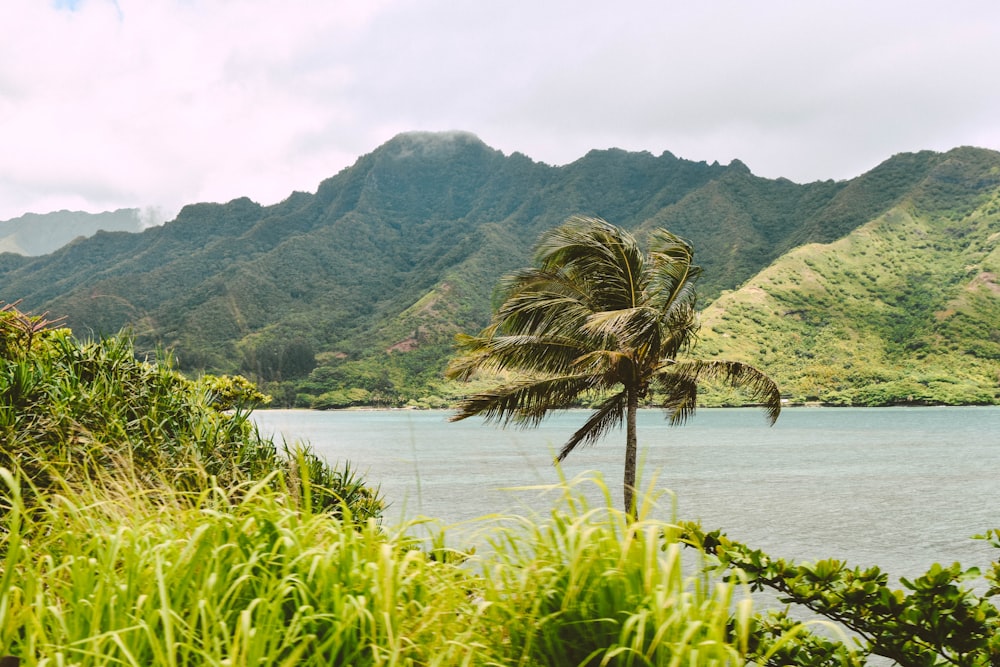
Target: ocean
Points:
(901, 488)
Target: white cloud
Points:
(164, 102)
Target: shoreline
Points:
(816, 404)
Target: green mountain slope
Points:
(905, 308)
(361, 286)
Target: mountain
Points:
(353, 294)
(903, 309)
(40, 234)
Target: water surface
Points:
(897, 487)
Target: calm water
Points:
(895, 487)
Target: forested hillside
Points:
(353, 294)
(904, 309)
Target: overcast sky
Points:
(136, 103)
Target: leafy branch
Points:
(936, 621)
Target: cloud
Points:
(164, 102)
(172, 101)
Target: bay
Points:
(901, 488)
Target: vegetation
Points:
(81, 413)
(249, 578)
(366, 281)
(143, 525)
(903, 310)
(598, 316)
(146, 523)
(937, 620)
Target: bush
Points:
(937, 620)
(75, 412)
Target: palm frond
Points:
(629, 328)
(673, 276)
(760, 388)
(680, 330)
(684, 297)
(550, 355)
(464, 366)
(599, 255)
(541, 312)
(579, 236)
(671, 249)
(680, 396)
(610, 365)
(542, 280)
(525, 402)
(607, 416)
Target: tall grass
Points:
(589, 586)
(233, 579)
(124, 577)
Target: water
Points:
(901, 488)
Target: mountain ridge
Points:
(370, 276)
(21, 235)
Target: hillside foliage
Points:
(904, 309)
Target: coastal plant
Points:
(18, 329)
(598, 316)
(935, 619)
(105, 576)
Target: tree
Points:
(598, 316)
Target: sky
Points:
(154, 104)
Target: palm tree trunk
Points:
(630, 451)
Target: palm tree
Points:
(598, 316)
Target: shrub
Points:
(937, 620)
(73, 412)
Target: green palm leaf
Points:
(607, 416)
(679, 377)
(525, 402)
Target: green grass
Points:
(103, 576)
(222, 581)
(585, 586)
